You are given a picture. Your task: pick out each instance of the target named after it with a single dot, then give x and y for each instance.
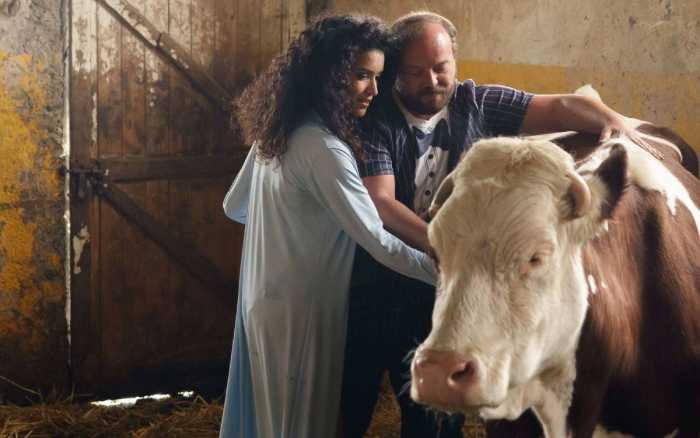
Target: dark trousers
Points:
(387, 320)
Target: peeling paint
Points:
(67, 182)
(79, 242)
(93, 134)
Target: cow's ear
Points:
(612, 173)
(595, 199)
(578, 196)
(443, 192)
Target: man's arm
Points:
(571, 112)
(397, 218)
(567, 112)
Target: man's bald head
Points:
(413, 24)
(426, 73)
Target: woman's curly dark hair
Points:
(314, 73)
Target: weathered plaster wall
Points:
(33, 345)
(643, 56)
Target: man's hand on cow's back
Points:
(620, 126)
(549, 113)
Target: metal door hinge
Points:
(86, 181)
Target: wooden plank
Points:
(247, 40)
(180, 122)
(157, 86)
(112, 273)
(131, 169)
(294, 20)
(225, 69)
(180, 285)
(168, 46)
(156, 202)
(225, 64)
(134, 307)
(84, 327)
(270, 32)
(226, 247)
(204, 28)
(133, 77)
(204, 119)
(206, 230)
(109, 99)
(189, 257)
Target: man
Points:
(419, 130)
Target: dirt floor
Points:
(191, 417)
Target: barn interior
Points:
(118, 268)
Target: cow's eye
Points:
(532, 263)
(536, 260)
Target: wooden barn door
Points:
(154, 260)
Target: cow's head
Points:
(509, 225)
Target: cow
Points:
(570, 284)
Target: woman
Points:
(301, 196)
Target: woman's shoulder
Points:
(314, 150)
(313, 137)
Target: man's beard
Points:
(428, 101)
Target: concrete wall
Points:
(33, 344)
(643, 56)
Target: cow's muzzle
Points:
(445, 379)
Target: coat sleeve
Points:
(236, 200)
(333, 179)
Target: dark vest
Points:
(387, 126)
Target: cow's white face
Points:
(512, 294)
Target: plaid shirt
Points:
(475, 112)
(391, 149)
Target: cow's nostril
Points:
(464, 373)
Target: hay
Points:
(386, 418)
(146, 419)
(181, 417)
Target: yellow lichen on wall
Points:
(26, 177)
(671, 100)
(537, 79)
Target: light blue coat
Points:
(303, 215)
